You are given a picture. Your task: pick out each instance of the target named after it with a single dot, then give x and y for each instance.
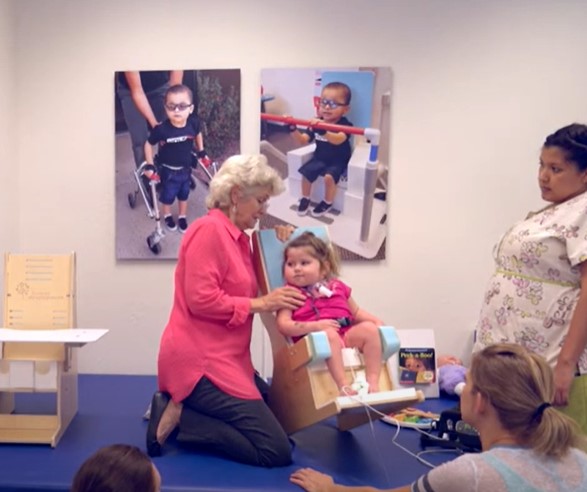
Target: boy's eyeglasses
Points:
(177, 107)
(329, 103)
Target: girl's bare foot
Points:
(169, 421)
(373, 385)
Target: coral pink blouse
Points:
(210, 325)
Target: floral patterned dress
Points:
(532, 295)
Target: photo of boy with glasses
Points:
(176, 137)
(333, 149)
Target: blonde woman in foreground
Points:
(528, 446)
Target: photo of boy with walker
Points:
(206, 109)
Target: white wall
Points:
(9, 170)
(476, 87)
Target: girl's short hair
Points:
(520, 386)
(319, 249)
(248, 172)
(116, 468)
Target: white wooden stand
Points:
(38, 344)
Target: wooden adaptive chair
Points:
(37, 355)
(302, 391)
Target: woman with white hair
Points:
(207, 384)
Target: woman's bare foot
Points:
(169, 421)
(347, 391)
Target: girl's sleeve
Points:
(340, 286)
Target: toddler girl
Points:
(311, 265)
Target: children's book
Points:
(414, 365)
(417, 366)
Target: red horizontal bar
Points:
(289, 120)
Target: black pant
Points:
(243, 430)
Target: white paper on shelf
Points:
(75, 336)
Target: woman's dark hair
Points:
(116, 468)
(572, 140)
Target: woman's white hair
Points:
(248, 172)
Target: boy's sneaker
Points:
(303, 206)
(321, 209)
(170, 223)
(182, 223)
